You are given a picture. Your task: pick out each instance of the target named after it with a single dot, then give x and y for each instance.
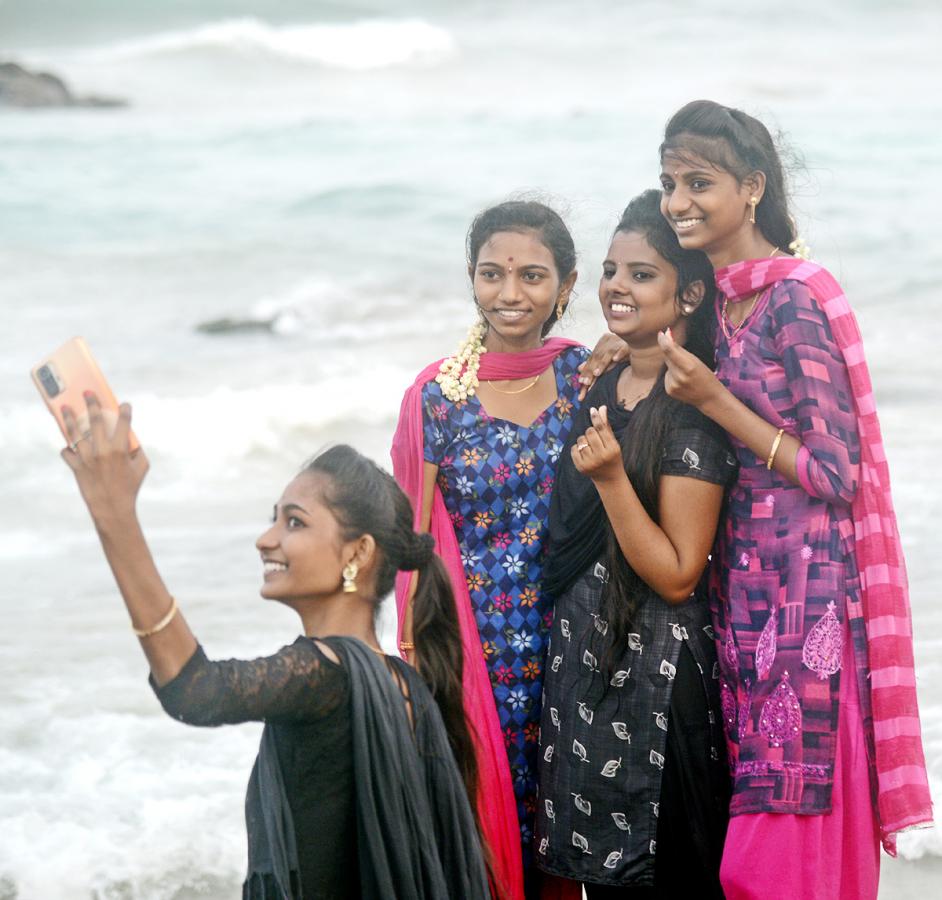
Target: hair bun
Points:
(419, 553)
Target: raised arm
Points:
(109, 478)
(689, 380)
(824, 457)
(294, 683)
(670, 555)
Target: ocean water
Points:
(306, 172)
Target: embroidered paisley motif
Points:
(824, 646)
(780, 720)
(765, 649)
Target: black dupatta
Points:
(417, 838)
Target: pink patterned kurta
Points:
(786, 577)
(889, 707)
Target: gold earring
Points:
(560, 309)
(753, 202)
(350, 578)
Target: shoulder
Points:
(804, 314)
(432, 390)
(317, 648)
(572, 357)
(424, 381)
(688, 418)
(695, 445)
(603, 391)
(436, 407)
(790, 298)
(320, 654)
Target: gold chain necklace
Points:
(518, 390)
(725, 322)
(728, 328)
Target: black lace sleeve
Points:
(298, 683)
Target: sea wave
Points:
(207, 433)
(366, 44)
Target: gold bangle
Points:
(406, 645)
(162, 624)
(774, 450)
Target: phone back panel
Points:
(63, 378)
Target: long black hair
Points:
(649, 425)
(364, 499)
(522, 216)
(739, 144)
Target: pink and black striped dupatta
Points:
(496, 806)
(903, 799)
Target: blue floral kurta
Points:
(496, 478)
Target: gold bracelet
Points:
(406, 645)
(162, 624)
(774, 450)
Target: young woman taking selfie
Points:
(356, 792)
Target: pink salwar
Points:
(835, 856)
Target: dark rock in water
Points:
(236, 326)
(22, 88)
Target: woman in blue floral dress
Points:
(478, 442)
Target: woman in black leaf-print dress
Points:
(634, 787)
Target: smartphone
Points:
(62, 379)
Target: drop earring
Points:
(560, 309)
(753, 202)
(350, 578)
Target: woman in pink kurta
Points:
(808, 589)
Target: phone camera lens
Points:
(49, 381)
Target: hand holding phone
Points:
(108, 474)
(64, 379)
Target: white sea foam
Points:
(106, 816)
(215, 430)
(368, 44)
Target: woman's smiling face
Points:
(303, 551)
(638, 290)
(707, 207)
(517, 287)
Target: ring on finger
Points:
(581, 447)
(73, 446)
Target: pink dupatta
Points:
(903, 799)
(496, 806)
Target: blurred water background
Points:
(307, 171)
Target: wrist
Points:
(715, 404)
(115, 521)
(609, 477)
